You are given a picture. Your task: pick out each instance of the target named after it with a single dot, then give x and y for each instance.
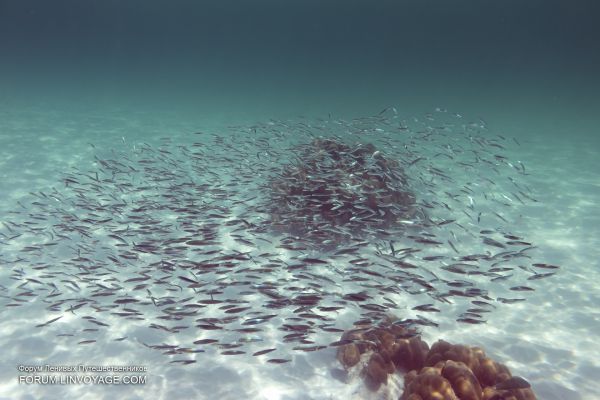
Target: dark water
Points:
(502, 60)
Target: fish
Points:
(509, 301)
(540, 276)
(469, 320)
(513, 383)
(522, 288)
(453, 246)
(545, 266)
(341, 342)
(492, 242)
(206, 341)
(184, 362)
(49, 322)
(261, 352)
(87, 341)
(426, 307)
(232, 352)
(278, 361)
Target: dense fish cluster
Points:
(273, 238)
(334, 192)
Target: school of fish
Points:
(191, 239)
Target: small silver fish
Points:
(516, 382)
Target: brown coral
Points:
(377, 370)
(470, 373)
(401, 346)
(463, 381)
(487, 371)
(391, 347)
(410, 353)
(428, 384)
(444, 372)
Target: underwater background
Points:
(79, 78)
